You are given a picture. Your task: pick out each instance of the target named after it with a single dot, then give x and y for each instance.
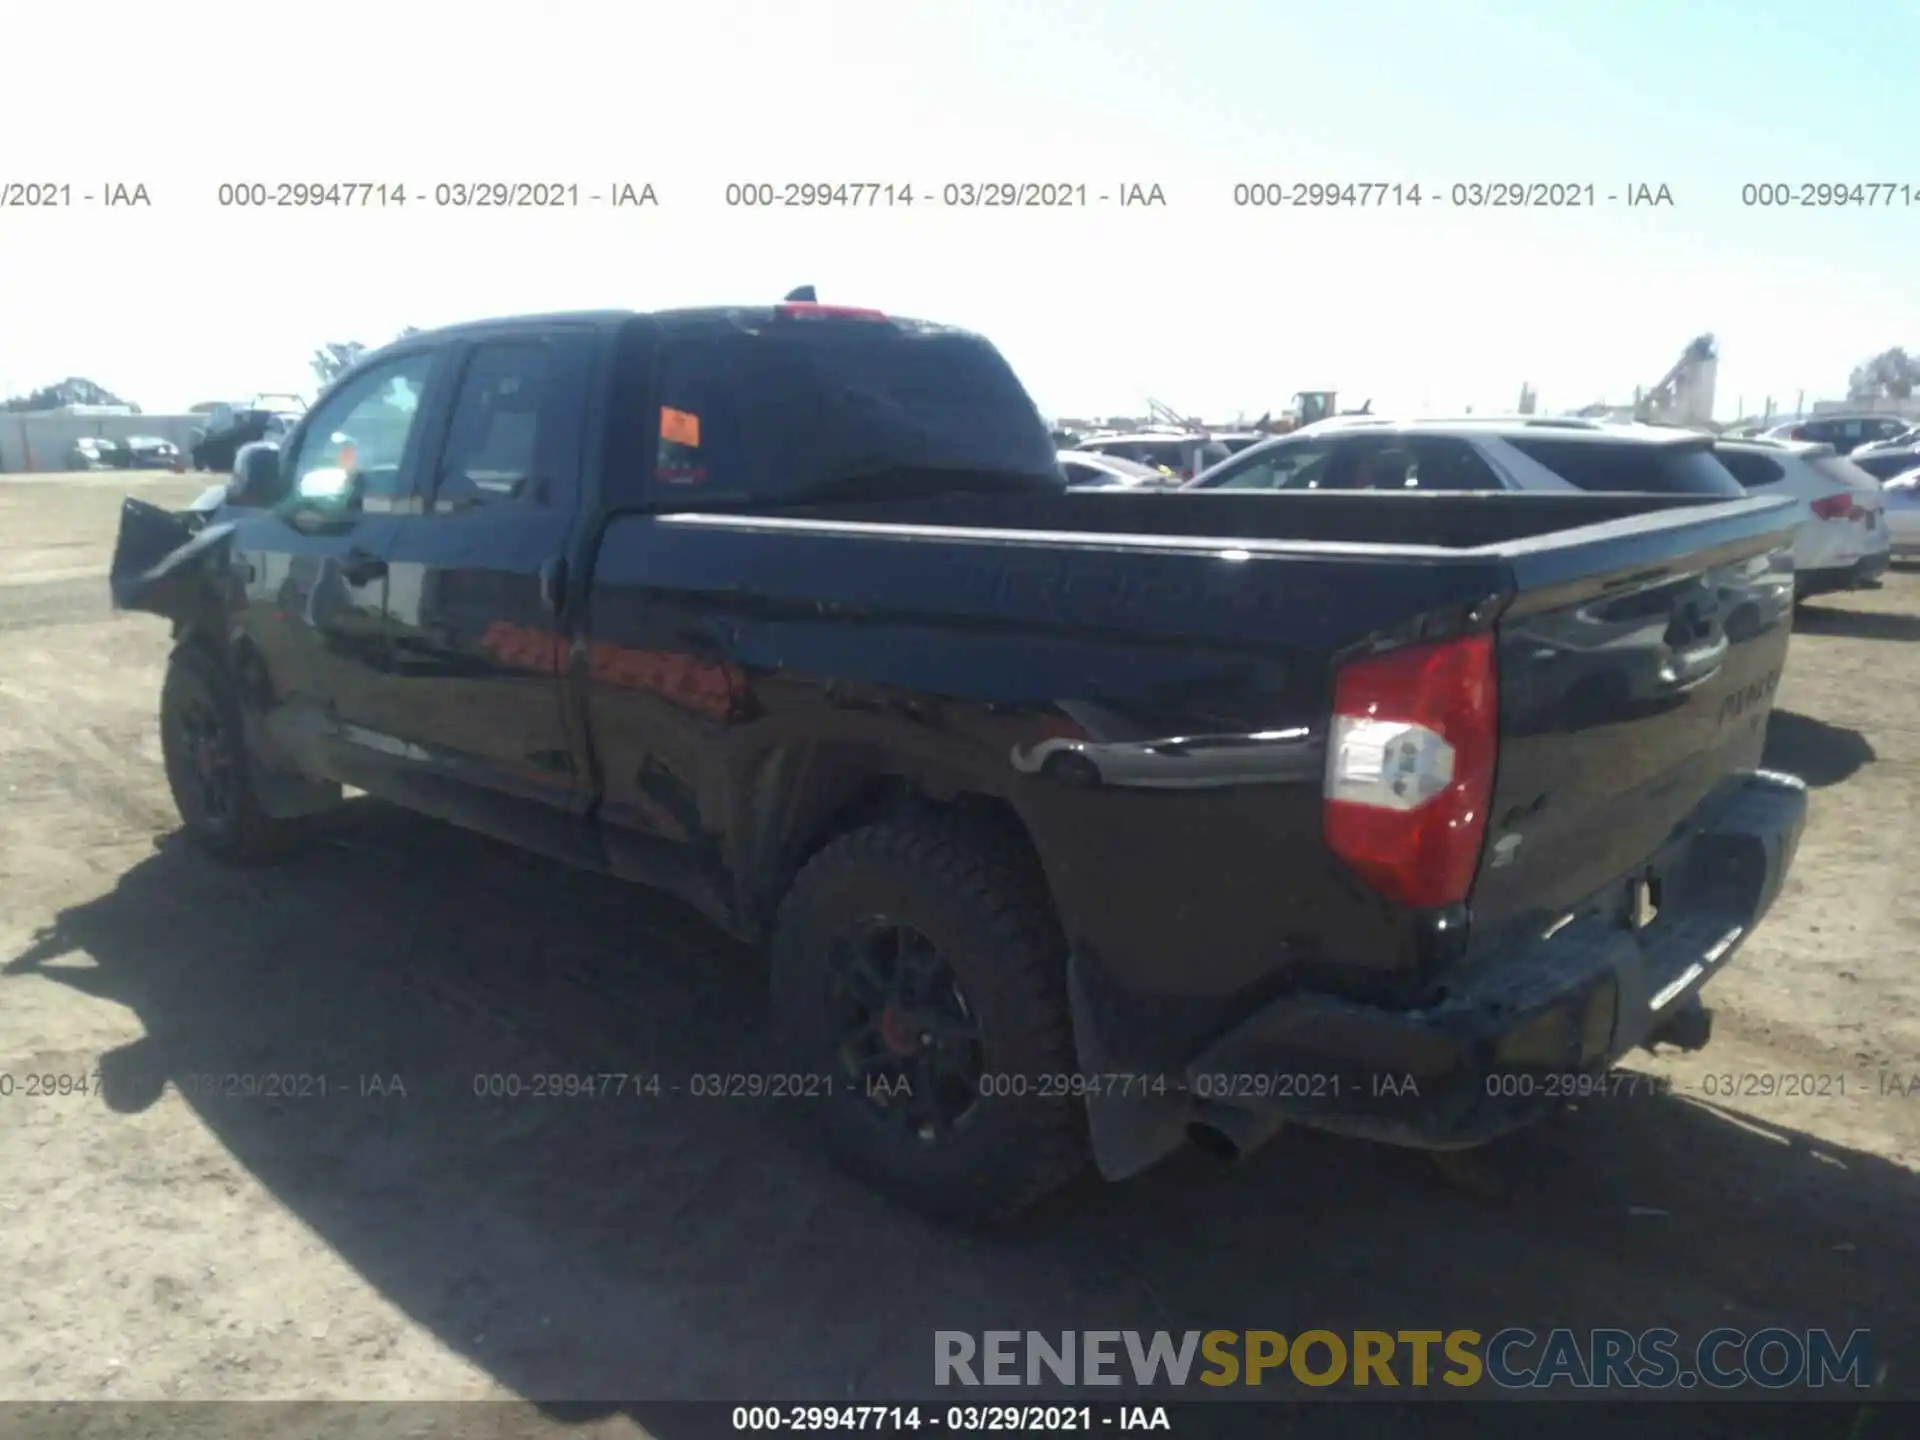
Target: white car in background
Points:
(1902, 495)
(1843, 542)
(1182, 453)
(1090, 470)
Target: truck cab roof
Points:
(692, 317)
(794, 401)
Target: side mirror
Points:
(326, 486)
(256, 475)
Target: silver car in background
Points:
(1902, 496)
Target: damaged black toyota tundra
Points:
(1077, 823)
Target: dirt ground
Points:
(164, 1243)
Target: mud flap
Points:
(1128, 1131)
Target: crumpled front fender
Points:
(169, 563)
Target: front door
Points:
(314, 570)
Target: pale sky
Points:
(1207, 306)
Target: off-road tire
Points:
(982, 902)
(240, 833)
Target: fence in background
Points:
(43, 440)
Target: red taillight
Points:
(809, 310)
(1410, 756)
(1834, 507)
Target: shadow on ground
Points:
(1819, 753)
(684, 1248)
(1814, 619)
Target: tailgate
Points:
(1637, 669)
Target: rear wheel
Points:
(919, 970)
(208, 769)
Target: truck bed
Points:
(960, 626)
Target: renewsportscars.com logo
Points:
(1513, 1358)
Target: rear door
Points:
(475, 595)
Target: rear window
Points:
(755, 408)
(1627, 466)
(1750, 469)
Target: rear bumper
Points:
(1527, 1029)
(1857, 575)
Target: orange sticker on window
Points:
(679, 427)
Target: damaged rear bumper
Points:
(1516, 1036)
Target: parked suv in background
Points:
(1843, 432)
(1884, 459)
(1842, 542)
(1475, 454)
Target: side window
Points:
(1450, 465)
(1752, 471)
(350, 453)
(1664, 469)
(1369, 465)
(1287, 467)
(494, 438)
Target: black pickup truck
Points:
(1078, 823)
